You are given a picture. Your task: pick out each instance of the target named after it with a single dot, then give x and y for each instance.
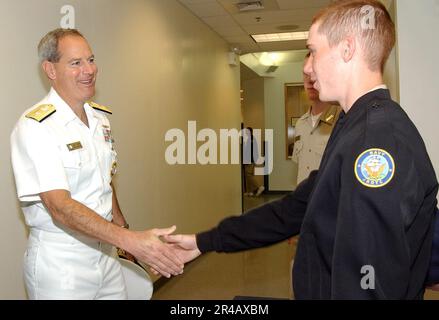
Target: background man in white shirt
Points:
(64, 159)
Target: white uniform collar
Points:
(64, 111)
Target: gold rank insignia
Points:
(41, 112)
(74, 146)
(329, 118)
(330, 115)
(99, 107)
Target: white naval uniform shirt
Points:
(42, 161)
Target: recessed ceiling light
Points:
(284, 36)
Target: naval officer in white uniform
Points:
(63, 159)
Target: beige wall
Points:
(159, 67)
(283, 176)
(391, 68)
(417, 23)
(253, 104)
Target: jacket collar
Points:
(367, 99)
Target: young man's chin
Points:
(325, 98)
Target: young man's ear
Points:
(348, 48)
(49, 69)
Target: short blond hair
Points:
(353, 17)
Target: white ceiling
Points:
(224, 17)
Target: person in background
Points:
(251, 151)
(64, 158)
(312, 131)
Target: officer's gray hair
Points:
(48, 46)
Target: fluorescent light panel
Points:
(284, 36)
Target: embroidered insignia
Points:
(374, 168)
(41, 112)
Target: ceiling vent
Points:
(250, 6)
(271, 69)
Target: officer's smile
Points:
(89, 82)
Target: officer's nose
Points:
(89, 68)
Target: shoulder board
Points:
(41, 112)
(99, 107)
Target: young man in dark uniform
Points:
(366, 217)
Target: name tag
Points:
(74, 146)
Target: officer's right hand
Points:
(147, 247)
(185, 247)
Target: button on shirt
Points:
(61, 152)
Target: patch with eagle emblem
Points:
(374, 168)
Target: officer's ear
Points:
(49, 69)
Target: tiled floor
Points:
(258, 273)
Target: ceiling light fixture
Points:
(250, 6)
(284, 36)
(269, 58)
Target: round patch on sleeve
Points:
(374, 168)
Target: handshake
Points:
(162, 251)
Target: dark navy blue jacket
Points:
(346, 222)
(433, 271)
